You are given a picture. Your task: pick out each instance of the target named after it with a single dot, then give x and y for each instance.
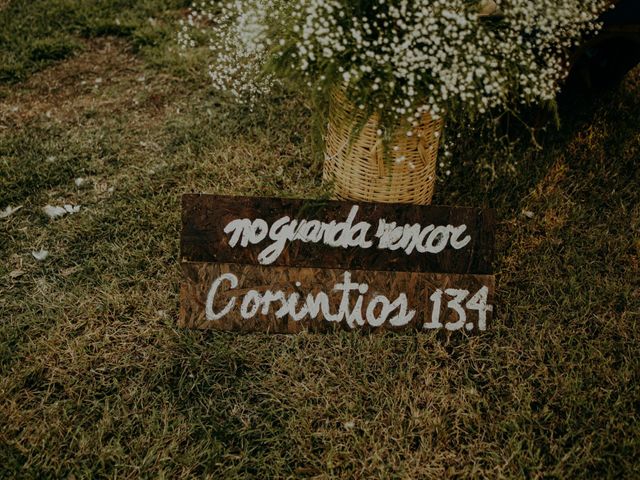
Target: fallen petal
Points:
(71, 208)
(41, 255)
(54, 212)
(9, 211)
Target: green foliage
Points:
(402, 62)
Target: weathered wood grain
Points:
(418, 288)
(205, 216)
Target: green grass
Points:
(96, 380)
(36, 33)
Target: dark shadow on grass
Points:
(498, 165)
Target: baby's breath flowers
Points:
(237, 34)
(397, 58)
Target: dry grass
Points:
(96, 380)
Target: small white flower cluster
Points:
(400, 58)
(236, 33)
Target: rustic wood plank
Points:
(254, 282)
(204, 218)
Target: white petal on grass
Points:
(79, 181)
(55, 212)
(7, 212)
(72, 208)
(40, 255)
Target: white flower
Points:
(419, 57)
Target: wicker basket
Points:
(356, 166)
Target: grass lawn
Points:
(96, 380)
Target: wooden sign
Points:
(283, 266)
(331, 234)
